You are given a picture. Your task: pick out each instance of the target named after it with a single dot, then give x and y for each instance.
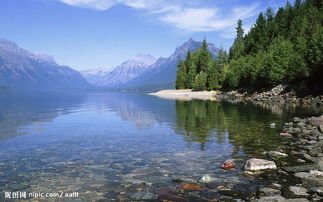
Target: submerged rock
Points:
(255, 164)
(272, 199)
(276, 154)
(300, 168)
(191, 187)
(207, 179)
(228, 164)
(297, 200)
(298, 191)
(266, 191)
(143, 196)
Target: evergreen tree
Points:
(191, 70)
(213, 77)
(181, 75)
(237, 49)
(204, 58)
(200, 81)
(277, 61)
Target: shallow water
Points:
(116, 145)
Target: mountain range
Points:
(122, 74)
(143, 72)
(22, 69)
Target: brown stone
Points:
(191, 187)
(228, 164)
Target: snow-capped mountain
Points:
(94, 76)
(144, 71)
(22, 69)
(120, 75)
(162, 74)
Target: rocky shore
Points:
(279, 95)
(299, 163)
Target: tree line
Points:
(282, 47)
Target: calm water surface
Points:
(126, 145)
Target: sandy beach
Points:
(186, 94)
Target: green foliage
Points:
(191, 70)
(238, 46)
(282, 47)
(213, 77)
(204, 58)
(181, 75)
(200, 81)
(277, 61)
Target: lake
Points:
(132, 146)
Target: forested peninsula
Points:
(283, 47)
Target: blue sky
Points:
(86, 34)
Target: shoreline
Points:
(299, 172)
(186, 94)
(300, 162)
(278, 95)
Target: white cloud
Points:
(93, 4)
(188, 15)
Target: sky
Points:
(89, 34)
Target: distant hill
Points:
(22, 69)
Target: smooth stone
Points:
(207, 179)
(272, 125)
(171, 197)
(312, 142)
(191, 187)
(297, 131)
(228, 164)
(320, 128)
(309, 157)
(255, 164)
(297, 200)
(315, 151)
(316, 173)
(266, 191)
(300, 161)
(301, 168)
(298, 191)
(276, 154)
(320, 165)
(302, 175)
(275, 185)
(285, 134)
(271, 199)
(143, 196)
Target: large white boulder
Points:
(254, 164)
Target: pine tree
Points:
(237, 48)
(200, 81)
(191, 70)
(213, 77)
(181, 75)
(204, 58)
(277, 61)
